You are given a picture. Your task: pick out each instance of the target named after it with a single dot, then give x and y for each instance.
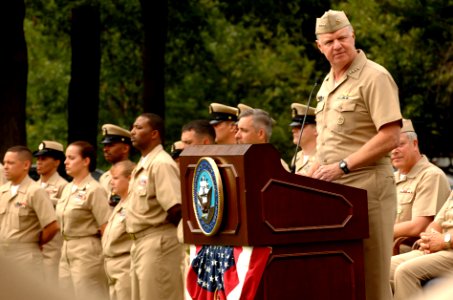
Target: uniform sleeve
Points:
(99, 205)
(43, 207)
(167, 183)
(441, 215)
(382, 100)
(432, 192)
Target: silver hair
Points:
(261, 120)
(411, 135)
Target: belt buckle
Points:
(132, 236)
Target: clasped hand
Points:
(431, 242)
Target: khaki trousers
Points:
(25, 255)
(410, 269)
(118, 275)
(378, 181)
(51, 253)
(156, 260)
(81, 270)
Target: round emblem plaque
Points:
(207, 196)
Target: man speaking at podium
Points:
(358, 123)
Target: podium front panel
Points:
(266, 205)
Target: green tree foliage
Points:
(232, 61)
(48, 79)
(258, 52)
(414, 41)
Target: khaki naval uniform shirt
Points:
(54, 187)
(116, 241)
(348, 114)
(303, 165)
(421, 192)
(2, 175)
(153, 189)
(156, 253)
(22, 218)
(51, 251)
(81, 211)
(409, 269)
(105, 181)
(116, 246)
(445, 216)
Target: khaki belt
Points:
(107, 257)
(69, 238)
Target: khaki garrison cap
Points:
(113, 134)
(176, 149)
(220, 113)
(331, 21)
(407, 126)
(298, 112)
(50, 148)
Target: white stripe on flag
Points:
(242, 267)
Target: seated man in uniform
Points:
(223, 119)
(306, 140)
(422, 188)
(433, 259)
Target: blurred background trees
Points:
(257, 52)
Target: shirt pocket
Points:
(343, 117)
(21, 218)
(404, 207)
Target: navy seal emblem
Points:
(207, 196)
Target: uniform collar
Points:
(419, 165)
(52, 179)
(84, 184)
(23, 186)
(353, 71)
(146, 160)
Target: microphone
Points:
(293, 161)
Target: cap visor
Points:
(213, 122)
(39, 153)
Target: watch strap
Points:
(344, 166)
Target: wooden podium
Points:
(315, 228)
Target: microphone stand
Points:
(293, 161)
